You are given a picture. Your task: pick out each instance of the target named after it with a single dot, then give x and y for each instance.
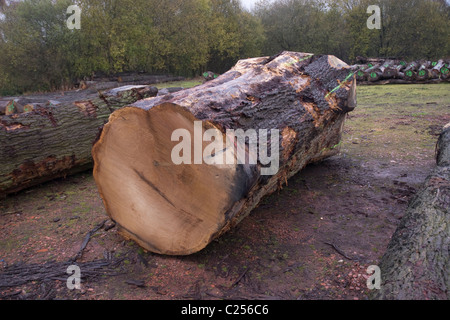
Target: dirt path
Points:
(314, 239)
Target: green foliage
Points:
(233, 34)
(183, 37)
(187, 37)
(34, 46)
(411, 29)
(415, 29)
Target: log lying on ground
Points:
(176, 207)
(416, 265)
(55, 138)
(105, 82)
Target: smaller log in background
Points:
(53, 136)
(392, 71)
(416, 265)
(103, 82)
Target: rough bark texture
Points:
(388, 70)
(416, 265)
(55, 138)
(179, 209)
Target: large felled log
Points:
(173, 191)
(416, 265)
(54, 138)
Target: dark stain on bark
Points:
(46, 112)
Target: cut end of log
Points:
(166, 208)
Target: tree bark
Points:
(54, 138)
(436, 71)
(416, 265)
(410, 71)
(373, 73)
(388, 70)
(360, 74)
(423, 73)
(3, 105)
(178, 209)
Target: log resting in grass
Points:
(178, 209)
(51, 139)
(416, 265)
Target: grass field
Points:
(399, 122)
(189, 83)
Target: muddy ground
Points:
(314, 239)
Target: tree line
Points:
(410, 29)
(38, 52)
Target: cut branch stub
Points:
(175, 172)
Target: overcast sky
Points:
(249, 3)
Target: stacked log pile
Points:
(43, 137)
(384, 71)
(209, 75)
